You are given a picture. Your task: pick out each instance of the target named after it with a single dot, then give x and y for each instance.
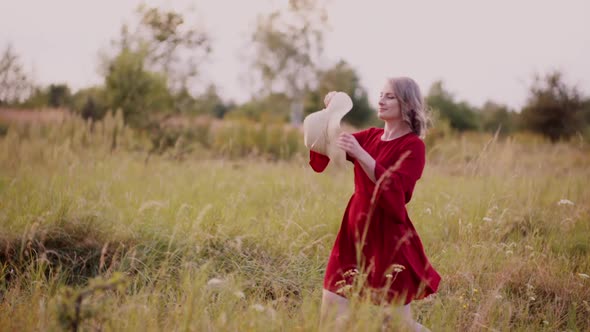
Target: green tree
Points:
(586, 111)
(38, 98)
(498, 117)
(15, 83)
(59, 95)
(269, 108)
(288, 44)
(554, 109)
(211, 103)
(342, 77)
(165, 53)
(461, 115)
(586, 119)
(208, 103)
(91, 103)
(55, 95)
(173, 47)
(135, 90)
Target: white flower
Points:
(258, 307)
(344, 289)
(565, 202)
(398, 268)
(215, 283)
(583, 276)
(272, 313)
(487, 219)
(151, 204)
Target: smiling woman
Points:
(377, 239)
(401, 99)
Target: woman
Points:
(377, 239)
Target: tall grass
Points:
(232, 241)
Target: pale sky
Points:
(482, 50)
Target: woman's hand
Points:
(350, 145)
(328, 97)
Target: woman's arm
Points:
(350, 145)
(319, 162)
(398, 184)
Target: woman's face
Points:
(389, 107)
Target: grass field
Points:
(206, 243)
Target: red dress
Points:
(390, 239)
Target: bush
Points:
(554, 109)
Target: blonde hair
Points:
(412, 105)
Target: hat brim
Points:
(321, 128)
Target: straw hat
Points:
(320, 129)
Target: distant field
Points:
(205, 242)
(29, 116)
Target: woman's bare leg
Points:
(404, 315)
(334, 311)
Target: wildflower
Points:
(565, 202)
(487, 219)
(272, 313)
(428, 211)
(465, 306)
(215, 282)
(583, 276)
(350, 273)
(344, 289)
(258, 307)
(240, 294)
(475, 290)
(151, 204)
(223, 318)
(398, 268)
(545, 322)
(532, 298)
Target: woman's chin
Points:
(388, 117)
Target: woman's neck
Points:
(395, 129)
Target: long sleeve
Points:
(396, 190)
(319, 162)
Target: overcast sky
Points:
(481, 49)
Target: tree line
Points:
(154, 63)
